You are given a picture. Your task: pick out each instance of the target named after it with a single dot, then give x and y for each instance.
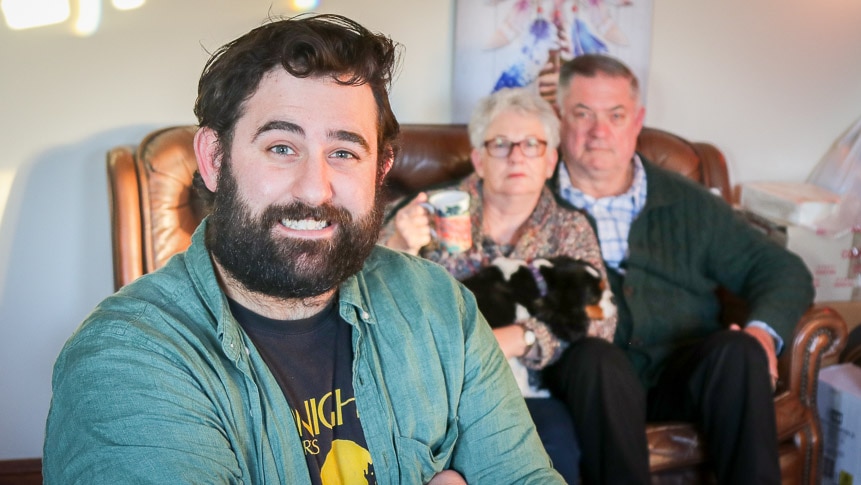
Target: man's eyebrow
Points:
(350, 136)
(343, 135)
(279, 125)
(613, 108)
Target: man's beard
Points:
(285, 267)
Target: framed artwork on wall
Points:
(508, 43)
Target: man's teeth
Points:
(304, 224)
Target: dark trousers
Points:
(556, 430)
(721, 384)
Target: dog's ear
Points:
(493, 296)
(524, 287)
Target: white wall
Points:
(772, 83)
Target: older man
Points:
(283, 346)
(667, 244)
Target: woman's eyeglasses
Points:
(501, 147)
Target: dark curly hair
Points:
(305, 46)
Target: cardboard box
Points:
(834, 261)
(839, 403)
(789, 202)
(849, 310)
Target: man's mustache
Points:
(299, 211)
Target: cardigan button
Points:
(628, 290)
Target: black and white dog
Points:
(564, 293)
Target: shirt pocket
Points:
(418, 462)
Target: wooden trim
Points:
(26, 471)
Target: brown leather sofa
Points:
(154, 212)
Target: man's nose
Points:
(314, 183)
(600, 127)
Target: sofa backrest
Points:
(154, 209)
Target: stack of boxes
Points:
(789, 213)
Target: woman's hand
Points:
(412, 227)
(511, 340)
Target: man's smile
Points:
(305, 224)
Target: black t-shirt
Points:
(312, 360)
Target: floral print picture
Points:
(508, 43)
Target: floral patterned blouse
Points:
(550, 231)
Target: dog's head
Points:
(564, 293)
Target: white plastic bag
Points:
(840, 172)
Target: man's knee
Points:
(734, 351)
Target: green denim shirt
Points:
(161, 385)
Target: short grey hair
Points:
(520, 100)
(592, 65)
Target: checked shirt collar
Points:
(613, 215)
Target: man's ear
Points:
(389, 162)
(641, 116)
(206, 149)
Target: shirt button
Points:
(365, 315)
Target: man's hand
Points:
(447, 477)
(412, 227)
(767, 341)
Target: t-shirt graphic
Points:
(312, 361)
(346, 463)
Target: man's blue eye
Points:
(282, 150)
(343, 154)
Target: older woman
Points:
(514, 135)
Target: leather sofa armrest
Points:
(124, 198)
(820, 333)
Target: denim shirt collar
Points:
(198, 262)
(352, 295)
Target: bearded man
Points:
(283, 346)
